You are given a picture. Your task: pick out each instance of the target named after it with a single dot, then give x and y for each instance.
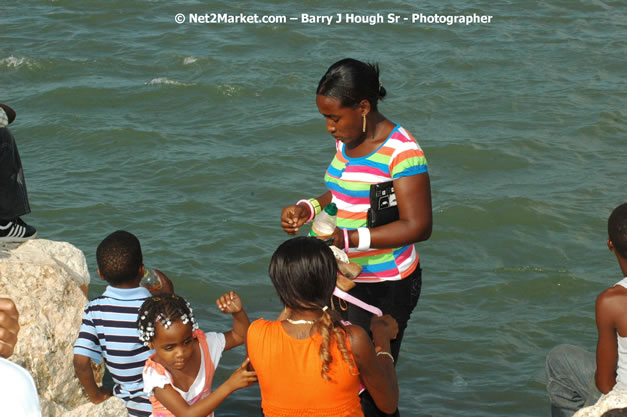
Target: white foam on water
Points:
(189, 60)
(167, 81)
(458, 381)
(14, 62)
(229, 90)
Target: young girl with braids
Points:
(178, 375)
(309, 364)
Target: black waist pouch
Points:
(383, 208)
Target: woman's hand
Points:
(338, 238)
(383, 328)
(293, 217)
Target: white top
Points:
(152, 378)
(617, 397)
(18, 393)
(4, 119)
(621, 366)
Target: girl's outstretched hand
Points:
(230, 303)
(294, 217)
(241, 378)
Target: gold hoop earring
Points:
(364, 127)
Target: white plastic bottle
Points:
(324, 223)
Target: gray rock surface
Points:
(48, 281)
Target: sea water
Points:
(193, 136)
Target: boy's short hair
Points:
(617, 229)
(119, 257)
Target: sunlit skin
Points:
(377, 374)
(82, 364)
(345, 123)
(413, 193)
(611, 318)
(178, 351)
(9, 327)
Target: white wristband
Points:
(364, 238)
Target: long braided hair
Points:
(166, 309)
(303, 271)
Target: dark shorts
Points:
(396, 298)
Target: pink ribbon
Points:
(356, 301)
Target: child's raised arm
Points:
(231, 303)
(172, 400)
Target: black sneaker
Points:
(16, 231)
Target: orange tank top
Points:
(289, 375)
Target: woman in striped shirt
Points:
(370, 149)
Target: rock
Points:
(613, 403)
(48, 282)
(113, 407)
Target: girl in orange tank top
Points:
(309, 363)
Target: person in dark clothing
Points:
(13, 194)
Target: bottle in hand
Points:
(325, 222)
(151, 280)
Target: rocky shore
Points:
(48, 282)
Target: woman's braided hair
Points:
(329, 326)
(165, 308)
(303, 271)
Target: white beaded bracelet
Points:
(364, 238)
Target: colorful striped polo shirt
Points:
(349, 181)
(109, 331)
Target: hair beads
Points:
(165, 309)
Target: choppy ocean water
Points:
(193, 136)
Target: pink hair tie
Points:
(346, 242)
(311, 209)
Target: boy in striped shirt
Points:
(109, 329)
